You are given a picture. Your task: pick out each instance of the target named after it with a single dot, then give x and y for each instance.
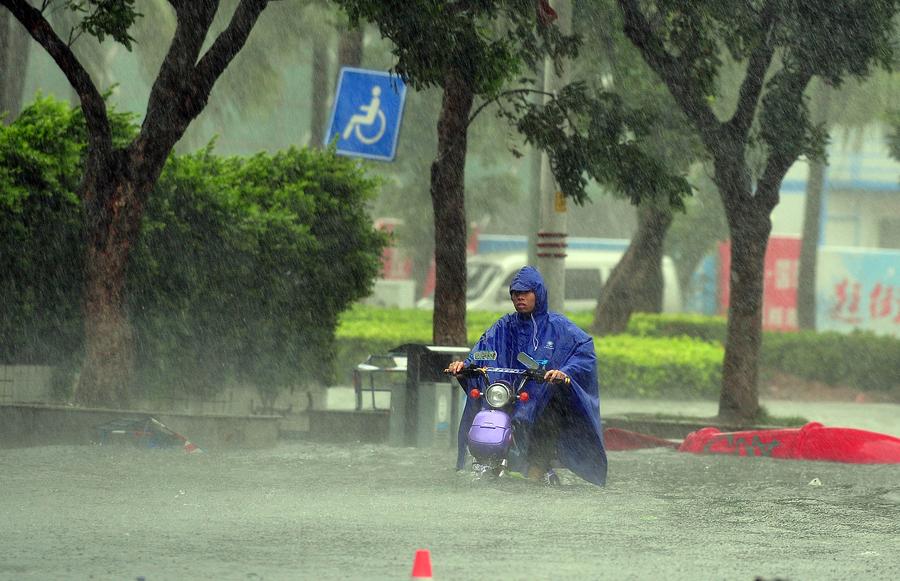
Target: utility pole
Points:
(535, 207)
(552, 232)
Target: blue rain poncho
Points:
(557, 343)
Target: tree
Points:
(255, 83)
(635, 284)
(696, 232)
(589, 134)
(241, 269)
(118, 179)
(783, 43)
(894, 137)
(468, 49)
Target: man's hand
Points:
(455, 367)
(557, 376)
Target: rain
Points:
(242, 243)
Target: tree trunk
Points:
(350, 47)
(448, 200)
(113, 214)
(320, 87)
(812, 222)
(636, 283)
(14, 50)
(739, 398)
(749, 225)
(5, 24)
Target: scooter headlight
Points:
(498, 394)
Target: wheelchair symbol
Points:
(372, 115)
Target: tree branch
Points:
(497, 98)
(92, 103)
(672, 72)
(183, 86)
(173, 80)
(751, 87)
(780, 160)
(226, 46)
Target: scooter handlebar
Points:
(473, 370)
(467, 371)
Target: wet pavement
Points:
(314, 511)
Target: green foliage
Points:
(702, 327)
(666, 368)
(488, 42)
(591, 134)
(240, 271)
(40, 233)
(832, 40)
(398, 326)
(104, 18)
(244, 264)
(859, 360)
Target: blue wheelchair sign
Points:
(367, 112)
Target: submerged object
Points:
(144, 432)
(617, 439)
(811, 442)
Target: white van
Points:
(586, 271)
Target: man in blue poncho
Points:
(560, 421)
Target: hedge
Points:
(860, 360)
(647, 367)
(629, 366)
(701, 327)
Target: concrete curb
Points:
(36, 424)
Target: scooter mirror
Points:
(527, 361)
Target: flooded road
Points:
(313, 511)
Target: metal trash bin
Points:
(425, 409)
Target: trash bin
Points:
(426, 413)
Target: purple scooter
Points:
(491, 436)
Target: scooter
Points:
(491, 440)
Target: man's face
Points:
(523, 301)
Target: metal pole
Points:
(536, 188)
(553, 231)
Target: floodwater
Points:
(315, 511)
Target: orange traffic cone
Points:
(422, 565)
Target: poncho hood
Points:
(529, 279)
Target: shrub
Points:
(244, 265)
(703, 327)
(860, 360)
(666, 368)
